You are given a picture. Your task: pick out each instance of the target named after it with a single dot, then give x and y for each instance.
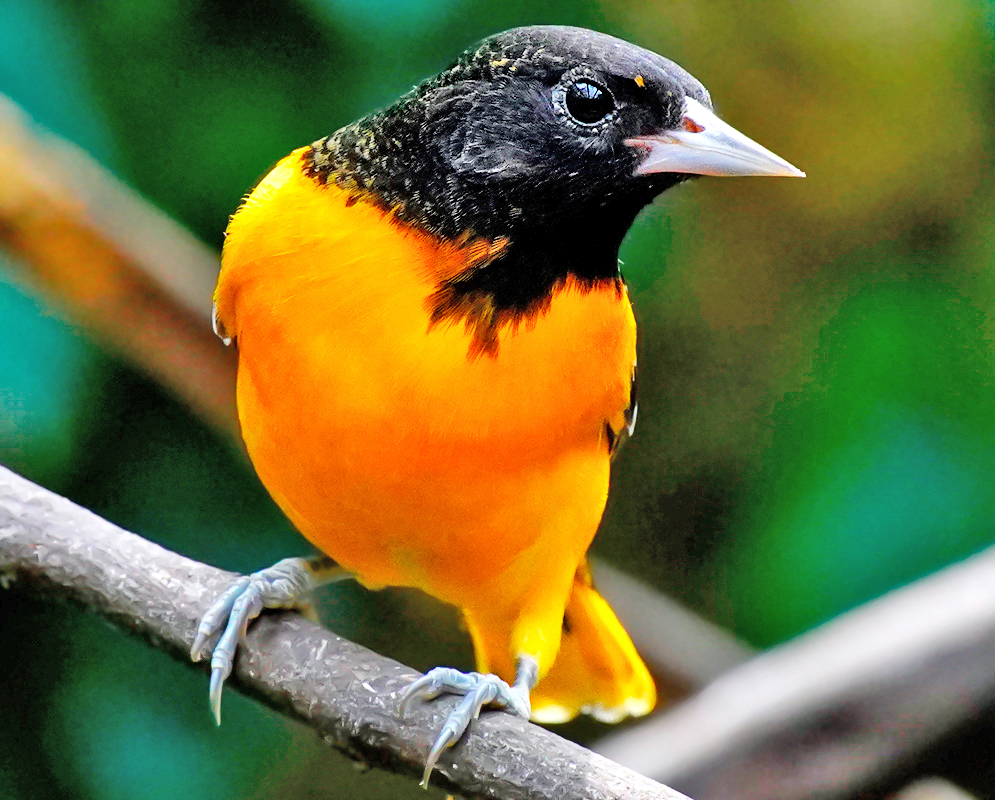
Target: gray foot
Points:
(283, 585)
(478, 691)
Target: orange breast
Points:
(392, 450)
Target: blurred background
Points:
(817, 361)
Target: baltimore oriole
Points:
(437, 352)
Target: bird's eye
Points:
(589, 102)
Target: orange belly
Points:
(393, 450)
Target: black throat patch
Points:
(516, 286)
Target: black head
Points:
(527, 128)
(533, 124)
(536, 136)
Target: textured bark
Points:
(347, 693)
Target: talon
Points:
(418, 690)
(446, 739)
(217, 684)
(197, 649)
(279, 586)
(216, 617)
(436, 682)
(477, 690)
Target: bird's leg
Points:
(284, 585)
(478, 690)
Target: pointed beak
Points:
(705, 145)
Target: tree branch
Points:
(114, 264)
(839, 709)
(345, 692)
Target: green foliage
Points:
(878, 468)
(43, 371)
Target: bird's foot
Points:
(284, 585)
(478, 690)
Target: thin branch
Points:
(933, 789)
(345, 692)
(114, 264)
(839, 709)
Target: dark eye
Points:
(589, 102)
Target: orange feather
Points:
(400, 450)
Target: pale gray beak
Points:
(705, 145)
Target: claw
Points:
(478, 691)
(279, 586)
(425, 688)
(446, 739)
(217, 684)
(436, 682)
(198, 648)
(216, 617)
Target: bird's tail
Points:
(597, 670)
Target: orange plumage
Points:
(415, 457)
(437, 354)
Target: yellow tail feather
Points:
(597, 670)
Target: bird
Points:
(437, 355)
